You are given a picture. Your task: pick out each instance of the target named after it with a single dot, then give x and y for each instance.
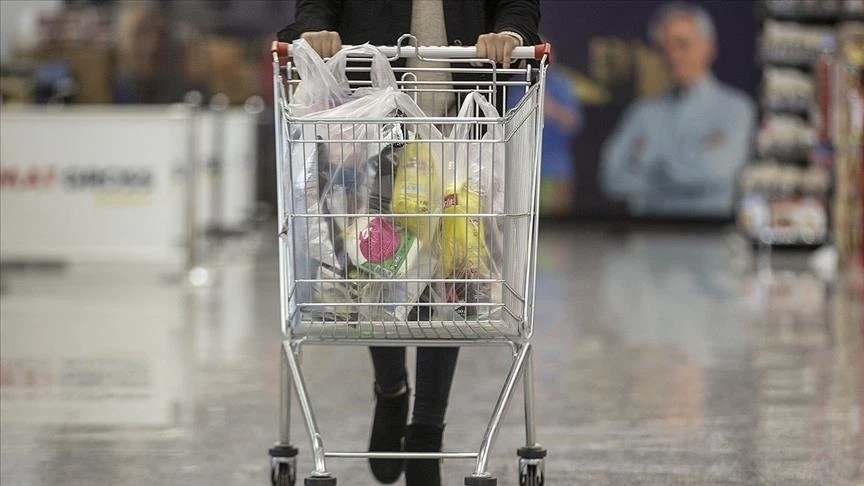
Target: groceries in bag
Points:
(417, 190)
(471, 247)
(379, 248)
(463, 246)
(464, 255)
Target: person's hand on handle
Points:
(325, 42)
(497, 47)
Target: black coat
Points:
(381, 22)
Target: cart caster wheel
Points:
(319, 481)
(480, 481)
(284, 473)
(532, 466)
(531, 474)
(283, 465)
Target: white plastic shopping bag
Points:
(472, 246)
(338, 140)
(324, 84)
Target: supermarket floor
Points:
(661, 360)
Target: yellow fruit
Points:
(415, 188)
(463, 248)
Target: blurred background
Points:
(713, 327)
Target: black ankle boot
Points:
(423, 438)
(388, 430)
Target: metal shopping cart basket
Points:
(502, 314)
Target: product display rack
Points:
(788, 192)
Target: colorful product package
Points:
(463, 245)
(471, 247)
(464, 254)
(380, 248)
(417, 190)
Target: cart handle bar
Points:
(283, 50)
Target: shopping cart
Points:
(502, 315)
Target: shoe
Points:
(423, 438)
(388, 430)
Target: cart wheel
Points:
(319, 481)
(480, 481)
(532, 466)
(283, 465)
(531, 472)
(284, 473)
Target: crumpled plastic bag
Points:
(324, 84)
(336, 170)
(417, 190)
(472, 246)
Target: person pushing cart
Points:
(390, 272)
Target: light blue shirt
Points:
(679, 154)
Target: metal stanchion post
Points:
(255, 106)
(218, 105)
(196, 274)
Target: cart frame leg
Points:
(283, 454)
(532, 467)
(284, 399)
(504, 398)
(292, 355)
(528, 384)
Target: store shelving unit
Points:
(788, 192)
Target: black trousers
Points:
(434, 376)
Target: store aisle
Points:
(658, 363)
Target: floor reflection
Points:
(76, 352)
(659, 362)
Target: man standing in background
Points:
(678, 154)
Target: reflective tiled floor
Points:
(660, 360)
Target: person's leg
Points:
(391, 376)
(435, 370)
(391, 411)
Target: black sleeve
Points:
(311, 16)
(520, 16)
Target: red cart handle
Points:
(283, 50)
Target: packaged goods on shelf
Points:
(771, 176)
(799, 187)
(815, 9)
(787, 89)
(16, 86)
(93, 70)
(784, 220)
(229, 70)
(88, 27)
(792, 43)
(805, 215)
(802, 8)
(82, 39)
(785, 137)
